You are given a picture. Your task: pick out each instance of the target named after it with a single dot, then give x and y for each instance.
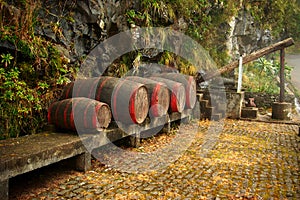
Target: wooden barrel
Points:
(79, 113)
(158, 95)
(128, 100)
(177, 97)
(189, 85)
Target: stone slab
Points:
(24, 154)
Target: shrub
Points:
(263, 76)
(30, 75)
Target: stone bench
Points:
(24, 154)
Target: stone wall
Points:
(263, 100)
(246, 35)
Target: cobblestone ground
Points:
(249, 160)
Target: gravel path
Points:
(251, 160)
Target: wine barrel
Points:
(177, 97)
(189, 85)
(128, 100)
(79, 113)
(158, 95)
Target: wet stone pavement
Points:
(248, 160)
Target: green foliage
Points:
(150, 13)
(206, 19)
(281, 17)
(203, 20)
(271, 68)
(30, 76)
(26, 92)
(6, 58)
(171, 60)
(135, 17)
(20, 105)
(263, 75)
(196, 13)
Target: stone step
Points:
(207, 112)
(199, 97)
(216, 117)
(203, 104)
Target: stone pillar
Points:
(167, 127)
(83, 162)
(282, 111)
(135, 140)
(4, 189)
(234, 104)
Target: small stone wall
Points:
(263, 100)
(234, 101)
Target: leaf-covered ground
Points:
(247, 160)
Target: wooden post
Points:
(282, 83)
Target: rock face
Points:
(78, 26)
(246, 36)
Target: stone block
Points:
(249, 112)
(83, 162)
(135, 140)
(234, 104)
